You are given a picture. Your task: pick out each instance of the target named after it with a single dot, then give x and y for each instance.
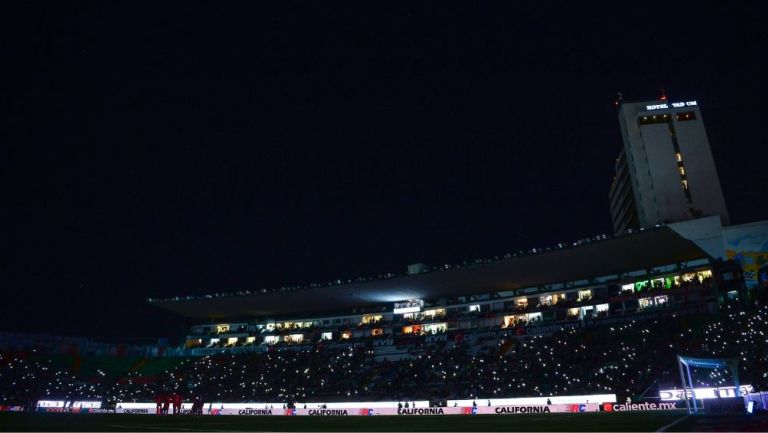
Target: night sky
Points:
(158, 149)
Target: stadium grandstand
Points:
(602, 318)
(608, 279)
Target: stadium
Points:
(182, 172)
(564, 334)
(661, 326)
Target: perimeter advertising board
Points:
(149, 408)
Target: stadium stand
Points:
(606, 316)
(626, 359)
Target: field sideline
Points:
(634, 421)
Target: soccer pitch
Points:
(650, 422)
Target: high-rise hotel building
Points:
(665, 172)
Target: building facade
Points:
(665, 172)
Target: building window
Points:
(704, 274)
(371, 319)
(585, 295)
(435, 328)
(650, 120)
(688, 115)
(521, 303)
(641, 285)
(646, 303)
(293, 338)
(414, 329)
(679, 157)
(437, 312)
(545, 300)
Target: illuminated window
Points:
(661, 300)
(533, 317)
(650, 120)
(437, 312)
(346, 335)
(474, 308)
(645, 303)
(685, 184)
(294, 338)
(250, 339)
(435, 328)
(679, 157)
(688, 115)
(641, 285)
(326, 336)
(546, 300)
(601, 308)
(682, 171)
(509, 321)
(628, 287)
(704, 274)
(222, 328)
(377, 331)
(573, 312)
(415, 329)
(194, 342)
(585, 295)
(371, 319)
(521, 303)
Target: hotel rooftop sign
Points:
(674, 105)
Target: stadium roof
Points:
(643, 250)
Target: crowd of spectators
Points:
(632, 359)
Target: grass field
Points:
(534, 422)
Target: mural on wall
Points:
(748, 244)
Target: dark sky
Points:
(160, 149)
